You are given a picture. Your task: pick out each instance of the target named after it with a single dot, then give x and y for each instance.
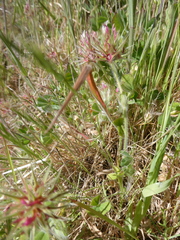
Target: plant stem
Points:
(123, 102)
(125, 114)
(10, 160)
(5, 17)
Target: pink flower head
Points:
(105, 29)
(104, 86)
(29, 206)
(29, 203)
(99, 46)
(109, 57)
(29, 220)
(52, 54)
(114, 32)
(27, 8)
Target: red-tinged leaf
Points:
(95, 91)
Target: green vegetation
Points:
(109, 166)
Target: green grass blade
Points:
(10, 160)
(157, 187)
(47, 10)
(15, 58)
(12, 137)
(131, 12)
(143, 205)
(103, 217)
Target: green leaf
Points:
(157, 187)
(129, 170)
(48, 103)
(101, 20)
(95, 200)
(25, 141)
(103, 217)
(151, 23)
(97, 22)
(47, 138)
(126, 159)
(115, 175)
(175, 108)
(112, 176)
(94, 26)
(69, 78)
(127, 82)
(156, 95)
(58, 229)
(95, 109)
(42, 236)
(119, 22)
(23, 237)
(104, 207)
(23, 129)
(119, 124)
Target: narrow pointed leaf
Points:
(103, 217)
(94, 90)
(158, 187)
(10, 47)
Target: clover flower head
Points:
(99, 46)
(26, 8)
(104, 85)
(34, 204)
